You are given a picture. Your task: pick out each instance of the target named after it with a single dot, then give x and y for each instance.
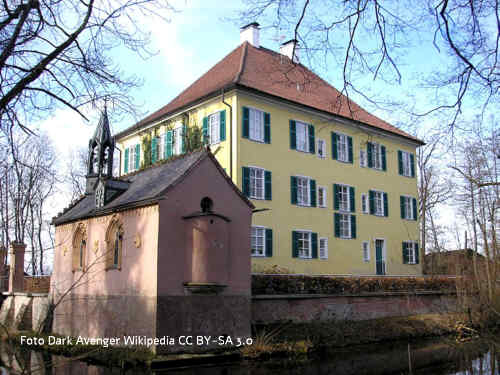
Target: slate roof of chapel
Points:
(146, 187)
(267, 72)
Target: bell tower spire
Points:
(101, 148)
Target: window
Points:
(343, 148)
(408, 208)
(114, 245)
(343, 194)
(214, 128)
(364, 203)
(132, 158)
(258, 241)
(323, 248)
(256, 183)
(345, 225)
(256, 119)
(410, 252)
(321, 148)
(366, 251)
(379, 203)
(376, 156)
(343, 198)
(362, 158)
(302, 136)
(406, 164)
(178, 140)
(303, 195)
(321, 196)
(304, 244)
(79, 248)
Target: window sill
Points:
(322, 206)
(303, 205)
(258, 141)
(345, 161)
(110, 268)
(257, 198)
(304, 258)
(258, 256)
(345, 238)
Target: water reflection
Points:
(433, 358)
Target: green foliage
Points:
(146, 150)
(285, 284)
(193, 138)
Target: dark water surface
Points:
(425, 357)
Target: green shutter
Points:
(293, 189)
(414, 203)
(269, 242)
(412, 165)
(245, 123)
(268, 194)
(154, 150)
(403, 207)
(353, 226)
(352, 199)
(400, 162)
(334, 146)
(369, 153)
(314, 245)
(267, 128)
(125, 166)
(204, 131)
(246, 182)
(293, 135)
(312, 142)
(336, 197)
(312, 189)
(137, 155)
(417, 260)
(184, 138)
(295, 244)
(169, 144)
(222, 124)
(406, 256)
(386, 205)
(384, 160)
(349, 142)
(336, 225)
(371, 194)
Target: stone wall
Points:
(308, 308)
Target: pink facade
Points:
(183, 271)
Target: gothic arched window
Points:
(79, 248)
(114, 245)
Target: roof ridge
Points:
(242, 63)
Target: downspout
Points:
(230, 140)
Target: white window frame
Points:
(408, 207)
(342, 147)
(412, 254)
(321, 145)
(365, 204)
(213, 119)
(366, 251)
(161, 147)
(177, 140)
(348, 194)
(307, 185)
(382, 212)
(406, 160)
(363, 162)
(309, 239)
(384, 253)
(324, 196)
(263, 178)
(131, 159)
(323, 251)
(342, 221)
(255, 130)
(377, 155)
(259, 228)
(304, 147)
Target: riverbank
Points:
(287, 341)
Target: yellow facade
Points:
(345, 256)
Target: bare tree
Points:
(57, 53)
(77, 170)
(374, 37)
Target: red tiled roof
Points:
(273, 74)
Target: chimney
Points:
(287, 50)
(250, 34)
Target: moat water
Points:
(432, 357)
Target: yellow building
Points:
(334, 186)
